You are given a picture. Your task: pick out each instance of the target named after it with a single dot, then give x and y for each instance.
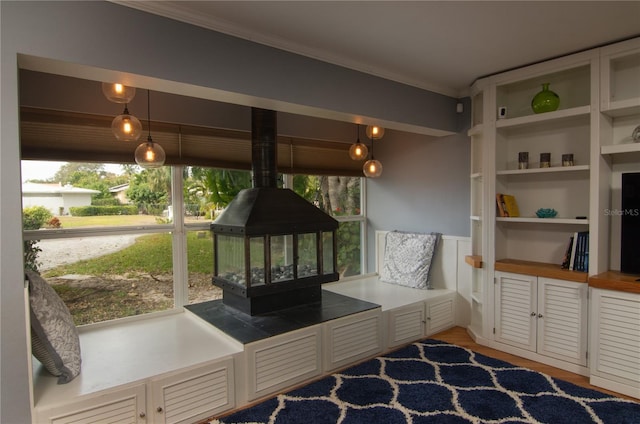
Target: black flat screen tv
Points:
(630, 237)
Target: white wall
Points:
(51, 202)
(85, 39)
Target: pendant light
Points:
(126, 127)
(373, 168)
(149, 154)
(375, 132)
(358, 151)
(118, 93)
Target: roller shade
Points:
(68, 136)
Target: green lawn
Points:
(150, 253)
(124, 279)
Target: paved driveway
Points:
(67, 251)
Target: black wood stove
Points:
(272, 249)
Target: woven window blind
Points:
(68, 136)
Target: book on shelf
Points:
(583, 252)
(574, 248)
(507, 205)
(502, 212)
(566, 260)
(577, 252)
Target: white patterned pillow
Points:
(408, 258)
(54, 336)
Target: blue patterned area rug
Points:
(436, 382)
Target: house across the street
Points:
(56, 197)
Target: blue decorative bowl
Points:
(546, 213)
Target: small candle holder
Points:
(523, 160)
(545, 160)
(567, 159)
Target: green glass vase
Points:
(545, 101)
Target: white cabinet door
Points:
(562, 320)
(615, 341)
(515, 315)
(440, 315)
(282, 361)
(542, 315)
(405, 324)
(192, 395)
(349, 339)
(126, 406)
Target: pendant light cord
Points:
(372, 158)
(149, 114)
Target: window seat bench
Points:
(175, 367)
(120, 360)
(388, 296)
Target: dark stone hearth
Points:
(247, 329)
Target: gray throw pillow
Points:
(54, 336)
(408, 258)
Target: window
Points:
(116, 240)
(102, 236)
(340, 197)
(207, 191)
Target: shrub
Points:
(111, 201)
(103, 210)
(54, 223)
(33, 218)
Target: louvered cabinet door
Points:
(352, 338)
(440, 314)
(405, 324)
(562, 320)
(283, 361)
(516, 310)
(189, 396)
(615, 341)
(125, 406)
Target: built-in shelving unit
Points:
(599, 108)
(478, 211)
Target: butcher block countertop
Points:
(614, 280)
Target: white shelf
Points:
(544, 117)
(620, 148)
(575, 168)
(476, 175)
(477, 297)
(475, 218)
(620, 108)
(550, 221)
(475, 130)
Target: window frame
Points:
(179, 230)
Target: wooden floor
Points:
(460, 337)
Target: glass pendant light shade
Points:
(372, 168)
(118, 93)
(375, 132)
(358, 151)
(150, 154)
(126, 127)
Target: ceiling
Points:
(442, 46)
